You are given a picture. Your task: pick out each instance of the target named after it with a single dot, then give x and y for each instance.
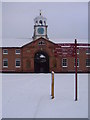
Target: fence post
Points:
(52, 85)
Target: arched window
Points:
(41, 43)
(45, 22)
(40, 22)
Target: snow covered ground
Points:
(0, 96)
(28, 96)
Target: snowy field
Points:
(28, 96)
(0, 96)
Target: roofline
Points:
(27, 44)
(10, 47)
(36, 40)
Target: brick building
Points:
(39, 55)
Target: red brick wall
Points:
(28, 53)
(11, 56)
(27, 58)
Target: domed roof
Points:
(40, 18)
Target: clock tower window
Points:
(45, 22)
(40, 22)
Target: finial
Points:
(40, 12)
(75, 41)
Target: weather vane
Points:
(40, 12)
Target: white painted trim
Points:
(5, 53)
(18, 66)
(75, 66)
(87, 53)
(5, 66)
(64, 66)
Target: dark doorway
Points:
(41, 62)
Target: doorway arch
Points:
(41, 62)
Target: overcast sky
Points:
(65, 20)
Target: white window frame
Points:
(5, 50)
(78, 51)
(77, 62)
(5, 59)
(17, 52)
(86, 65)
(18, 59)
(66, 62)
(87, 52)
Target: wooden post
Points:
(75, 70)
(52, 85)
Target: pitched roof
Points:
(19, 42)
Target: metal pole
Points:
(51, 83)
(75, 70)
(52, 86)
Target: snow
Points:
(15, 42)
(42, 56)
(28, 96)
(0, 96)
(19, 42)
(68, 40)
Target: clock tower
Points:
(40, 27)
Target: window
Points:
(87, 62)
(5, 51)
(77, 62)
(5, 63)
(41, 43)
(17, 51)
(88, 51)
(77, 51)
(40, 22)
(64, 62)
(18, 63)
(45, 22)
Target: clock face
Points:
(40, 30)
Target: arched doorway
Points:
(41, 62)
